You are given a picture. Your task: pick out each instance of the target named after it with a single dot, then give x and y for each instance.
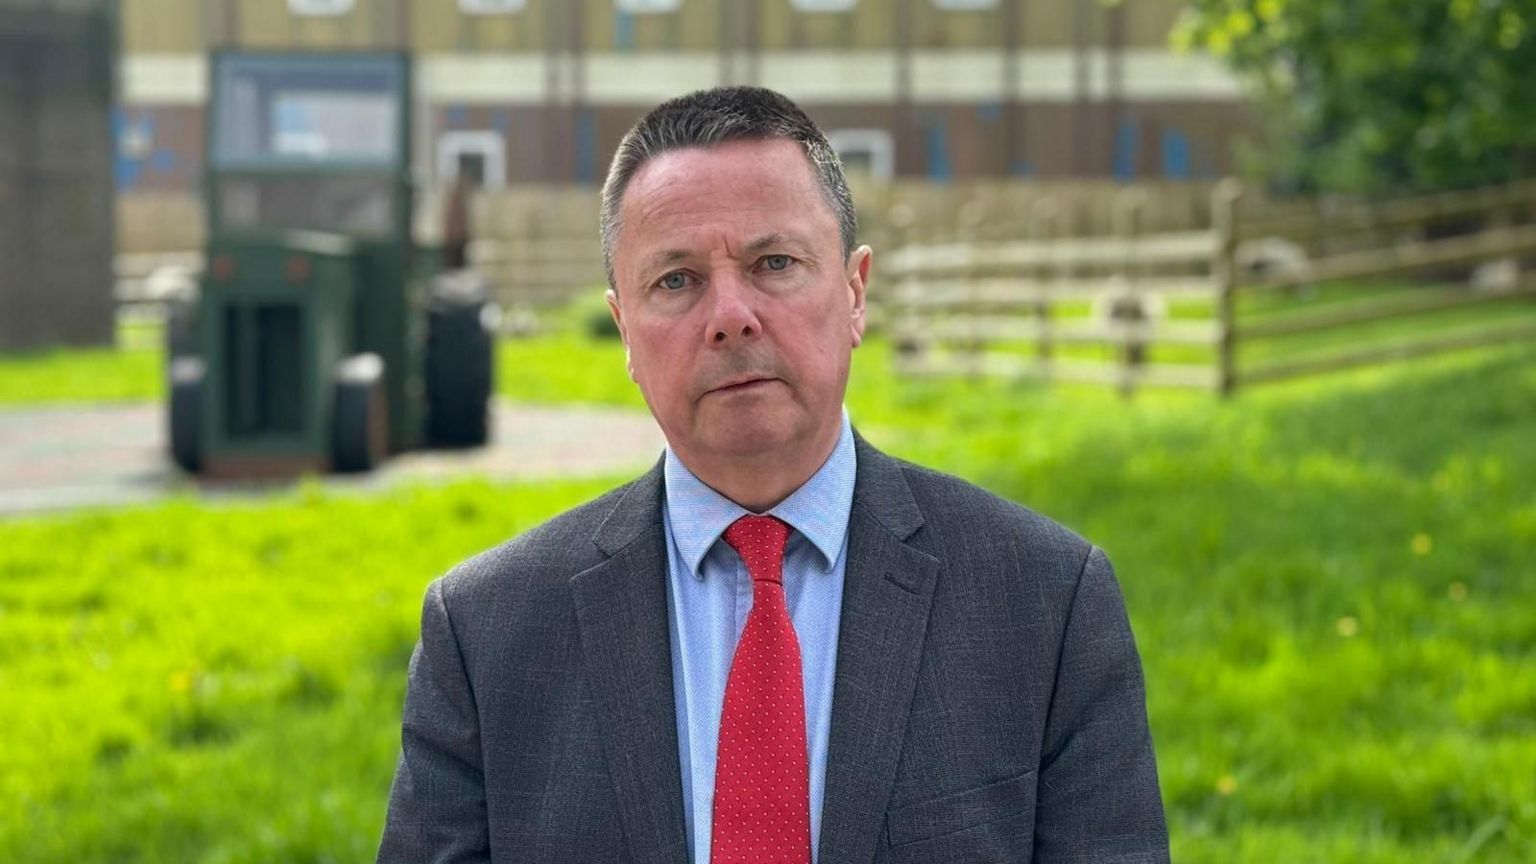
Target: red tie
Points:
(762, 779)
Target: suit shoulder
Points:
(962, 515)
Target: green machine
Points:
(323, 337)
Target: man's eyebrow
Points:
(667, 256)
(768, 241)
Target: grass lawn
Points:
(1329, 580)
(219, 684)
(76, 375)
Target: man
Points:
(779, 645)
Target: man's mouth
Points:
(743, 384)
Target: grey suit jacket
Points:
(988, 702)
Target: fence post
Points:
(1046, 229)
(906, 345)
(969, 220)
(1502, 215)
(1224, 211)
(1124, 309)
(1322, 247)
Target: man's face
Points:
(738, 311)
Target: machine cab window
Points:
(308, 143)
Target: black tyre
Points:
(186, 413)
(360, 425)
(460, 362)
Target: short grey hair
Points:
(706, 118)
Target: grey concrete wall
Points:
(56, 176)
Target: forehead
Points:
(756, 186)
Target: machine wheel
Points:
(360, 426)
(460, 359)
(185, 414)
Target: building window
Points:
(646, 7)
(491, 7)
(965, 5)
(823, 5)
(319, 7)
(865, 152)
(481, 154)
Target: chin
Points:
(748, 434)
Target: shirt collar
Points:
(819, 509)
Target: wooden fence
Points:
(540, 245)
(1014, 307)
(1130, 286)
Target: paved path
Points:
(72, 456)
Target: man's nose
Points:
(733, 314)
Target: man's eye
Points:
(776, 262)
(674, 281)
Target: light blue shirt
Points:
(709, 595)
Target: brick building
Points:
(541, 90)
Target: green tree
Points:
(1381, 95)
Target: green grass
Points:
(564, 368)
(76, 375)
(221, 684)
(1329, 586)
(1329, 580)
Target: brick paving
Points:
(55, 458)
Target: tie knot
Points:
(759, 540)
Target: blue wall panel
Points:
(940, 167)
(1127, 143)
(1175, 155)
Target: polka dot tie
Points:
(762, 779)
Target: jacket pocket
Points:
(957, 811)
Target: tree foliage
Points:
(1382, 95)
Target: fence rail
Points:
(1380, 310)
(1406, 212)
(1403, 350)
(1080, 253)
(1189, 375)
(1002, 329)
(1485, 245)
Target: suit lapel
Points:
(887, 592)
(621, 609)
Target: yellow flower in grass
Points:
(1422, 544)
(1347, 626)
(1226, 784)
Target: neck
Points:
(758, 482)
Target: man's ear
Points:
(858, 284)
(612, 297)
